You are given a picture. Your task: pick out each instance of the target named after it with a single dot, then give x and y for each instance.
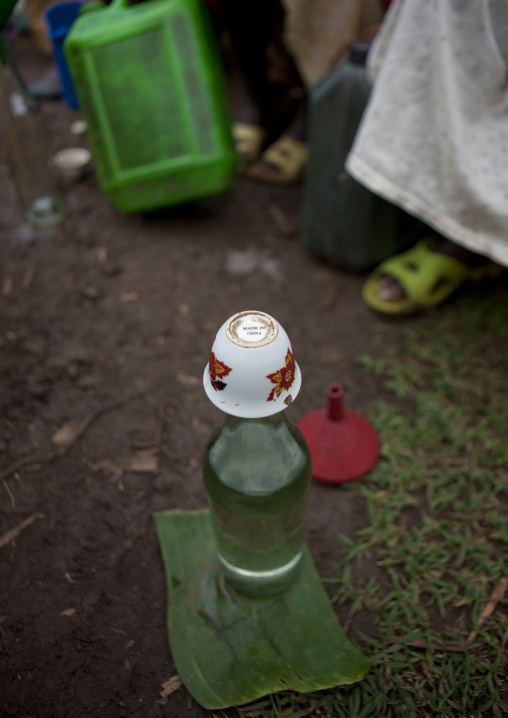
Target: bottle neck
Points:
(10, 70)
(275, 420)
(257, 455)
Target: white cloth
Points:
(434, 136)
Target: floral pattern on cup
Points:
(218, 370)
(282, 378)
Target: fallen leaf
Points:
(66, 433)
(170, 686)
(68, 612)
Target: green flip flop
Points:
(428, 278)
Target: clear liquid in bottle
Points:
(257, 473)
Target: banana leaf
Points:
(231, 649)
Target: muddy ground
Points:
(109, 319)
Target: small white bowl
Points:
(79, 127)
(72, 162)
(252, 372)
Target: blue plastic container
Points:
(59, 19)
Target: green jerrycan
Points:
(150, 85)
(343, 222)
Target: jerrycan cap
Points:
(358, 52)
(252, 372)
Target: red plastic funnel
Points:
(343, 445)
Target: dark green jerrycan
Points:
(150, 85)
(343, 222)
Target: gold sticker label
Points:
(252, 329)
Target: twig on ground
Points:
(504, 641)
(11, 495)
(13, 534)
(455, 646)
(141, 464)
(281, 221)
(490, 607)
(141, 441)
(458, 646)
(25, 461)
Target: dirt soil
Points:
(109, 320)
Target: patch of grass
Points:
(437, 534)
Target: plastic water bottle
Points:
(256, 466)
(26, 142)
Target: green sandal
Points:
(428, 278)
(287, 156)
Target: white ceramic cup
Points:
(252, 372)
(72, 162)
